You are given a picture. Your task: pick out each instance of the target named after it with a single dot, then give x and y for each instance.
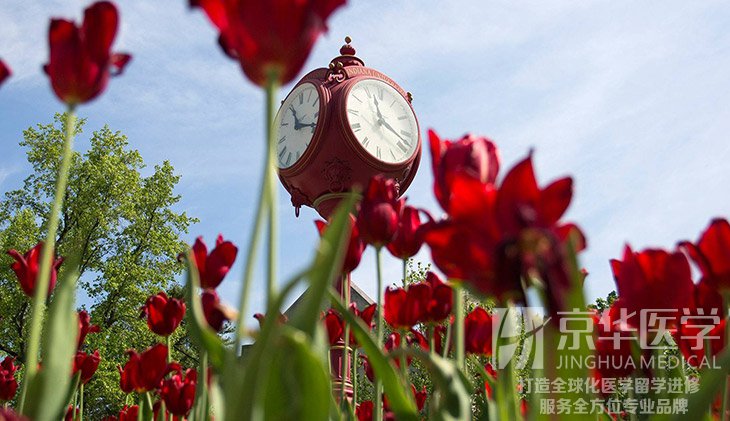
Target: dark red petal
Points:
(99, 29)
(215, 10)
(554, 200)
(118, 62)
(416, 305)
(395, 299)
(518, 196)
(4, 72)
(368, 313)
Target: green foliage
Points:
(128, 236)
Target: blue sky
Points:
(630, 98)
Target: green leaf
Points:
(324, 269)
(298, 387)
(454, 397)
(400, 401)
(49, 389)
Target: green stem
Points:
(378, 413)
(140, 410)
(354, 377)
(81, 402)
(432, 339)
(202, 390)
(271, 88)
(459, 316)
(405, 273)
(47, 254)
(403, 360)
(346, 345)
(168, 341)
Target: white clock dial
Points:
(382, 121)
(296, 123)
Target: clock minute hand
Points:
(377, 109)
(389, 127)
(297, 124)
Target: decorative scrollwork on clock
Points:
(338, 174)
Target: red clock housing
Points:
(335, 162)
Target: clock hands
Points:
(382, 122)
(298, 125)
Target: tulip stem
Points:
(405, 273)
(354, 377)
(378, 413)
(140, 408)
(459, 316)
(272, 86)
(81, 402)
(168, 340)
(432, 339)
(47, 258)
(403, 359)
(346, 345)
(267, 199)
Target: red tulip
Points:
(641, 275)
(4, 72)
(613, 341)
(379, 210)
(129, 413)
(711, 253)
(496, 236)
(364, 411)
(440, 301)
(144, 372)
(80, 60)
(405, 308)
(163, 314)
(213, 267)
(86, 364)
(8, 383)
(478, 332)
(213, 311)
(71, 413)
(7, 414)
(336, 327)
(420, 395)
(269, 38)
(26, 269)
(406, 241)
(701, 329)
(85, 327)
(471, 157)
(355, 245)
(179, 393)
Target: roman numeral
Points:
(282, 139)
(309, 97)
(358, 99)
(283, 151)
(367, 91)
(288, 159)
(356, 127)
(380, 93)
(301, 98)
(392, 154)
(365, 142)
(377, 152)
(405, 133)
(314, 104)
(299, 153)
(392, 103)
(353, 111)
(403, 117)
(402, 147)
(316, 114)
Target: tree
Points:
(126, 230)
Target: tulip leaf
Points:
(299, 386)
(324, 269)
(47, 392)
(711, 385)
(401, 402)
(454, 399)
(202, 334)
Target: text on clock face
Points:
(296, 123)
(382, 121)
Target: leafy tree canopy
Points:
(129, 235)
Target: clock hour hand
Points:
(297, 124)
(377, 109)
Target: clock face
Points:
(296, 123)
(382, 121)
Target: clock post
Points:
(338, 127)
